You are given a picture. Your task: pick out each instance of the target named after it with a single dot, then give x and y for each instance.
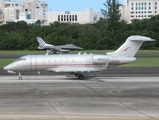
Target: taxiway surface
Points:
(66, 97)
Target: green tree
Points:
(112, 14)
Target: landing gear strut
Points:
(20, 76)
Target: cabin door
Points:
(33, 64)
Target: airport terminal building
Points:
(87, 16)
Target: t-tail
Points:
(131, 46)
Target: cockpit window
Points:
(21, 59)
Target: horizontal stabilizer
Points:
(137, 38)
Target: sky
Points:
(76, 5)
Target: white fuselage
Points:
(66, 63)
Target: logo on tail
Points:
(126, 49)
(41, 42)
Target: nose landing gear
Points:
(20, 76)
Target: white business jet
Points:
(79, 64)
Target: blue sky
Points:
(76, 5)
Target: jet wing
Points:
(70, 46)
(105, 66)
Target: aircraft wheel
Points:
(81, 77)
(20, 78)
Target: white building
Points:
(27, 10)
(140, 9)
(88, 16)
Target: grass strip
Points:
(144, 62)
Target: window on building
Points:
(149, 3)
(155, 11)
(155, 8)
(132, 12)
(132, 8)
(75, 17)
(70, 18)
(64, 17)
(17, 14)
(95, 18)
(28, 16)
(58, 17)
(7, 5)
(61, 17)
(67, 17)
(149, 11)
(155, 3)
(131, 16)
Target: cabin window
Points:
(21, 59)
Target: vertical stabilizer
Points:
(131, 46)
(41, 41)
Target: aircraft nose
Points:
(7, 67)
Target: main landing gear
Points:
(80, 76)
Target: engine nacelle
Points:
(100, 59)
